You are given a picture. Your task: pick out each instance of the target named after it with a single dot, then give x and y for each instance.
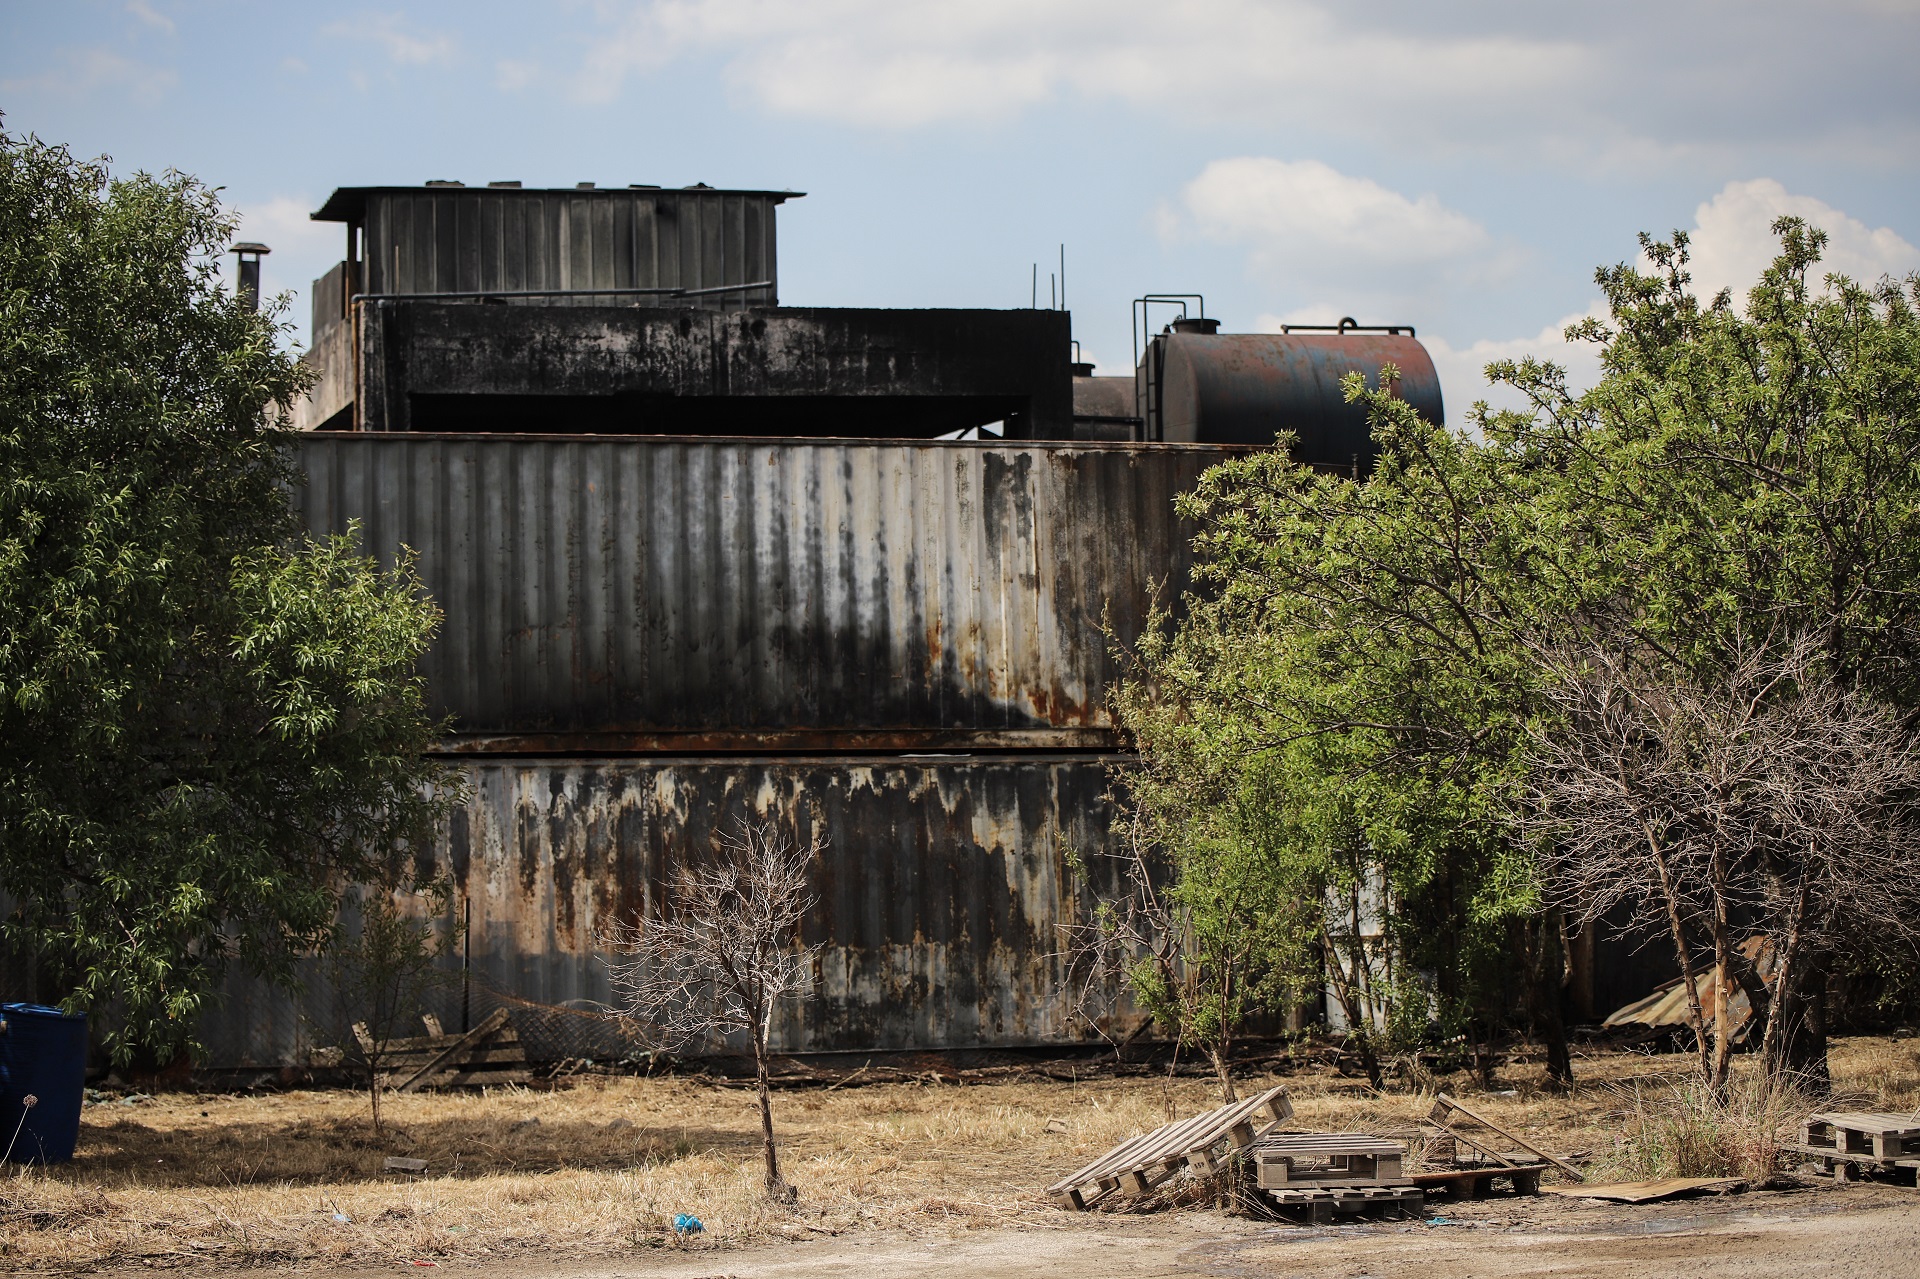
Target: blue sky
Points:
(1461, 167)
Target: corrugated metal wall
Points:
(620, 593)
(941, 894)
(462, 240)
(902, 641)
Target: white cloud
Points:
(1462, 369)
(890, 65)
(79, 73)
(511, 76)
(1577, 86)
(389, 33)
(1303, 208)
(1733, 238)
(1388, 256)
(149, 15)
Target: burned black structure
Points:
(645, 311)
(701, 559)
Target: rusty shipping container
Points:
(941, 894)
(608, 593)
(897, 646)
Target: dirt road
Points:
(1859, 1233)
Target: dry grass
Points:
(184, 1179)
(1681, 1128)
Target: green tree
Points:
(1365, 664)
(208, 724)
(1741, 474)
(381, 968)
(1344, 694)
(1205, 934)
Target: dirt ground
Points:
(1863, 1233)
(924, 1178)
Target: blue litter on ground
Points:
(685, 1223)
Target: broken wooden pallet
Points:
(489, 1054)
(1318, 1206)
(1309, 1159)
(1138, 1164)
(1476, 1182)
(1445, 1107)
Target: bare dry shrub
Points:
(1765, 791)
(724, 953)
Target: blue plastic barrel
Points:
(43, 1056)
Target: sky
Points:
(1461, 167)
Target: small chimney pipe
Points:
(247, 286)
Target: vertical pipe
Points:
(247, 281)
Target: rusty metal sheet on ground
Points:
(1636, 1192)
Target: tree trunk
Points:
(1782, 1011)
(1551, 975)
(1678, 927)
(776, 1184)
(1801, 1014)
(1219, 1053)
(1483, 1058)
(1359, 1023)
(1722, 971)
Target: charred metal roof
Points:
(348, 204)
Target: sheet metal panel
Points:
(467, 239)
(609, 593)
(942, 891)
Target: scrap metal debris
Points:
(1637, 1192)
(1668, 1009)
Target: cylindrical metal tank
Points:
(1243, 388)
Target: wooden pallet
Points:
(1287, 1159)
(489, 1054)
(1319, 1205)
(1862, 1135)
(1477, 1182)
(1202, 1143)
